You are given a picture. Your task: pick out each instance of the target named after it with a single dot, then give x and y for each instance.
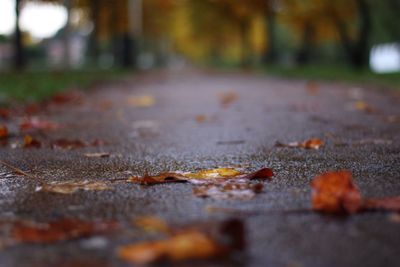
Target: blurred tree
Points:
(19, 55)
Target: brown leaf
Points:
(313, 143)
(30, 142)
(312, 88)
(334, 192)
(228, 190)
(70, 187)
(67, 144)
(201, 177)
(227, 98)
(201, 118)
(34, 123)
(3, 132)
(388, 203)
(66, 98)
(60, 230)
(189, 243)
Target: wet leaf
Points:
(60, 230)
(3, 132)
(70, 187)
(228, 190)
(97, 155)
(227, 98)
(388, 203)
(152, 224)
(313, 143)
(189, 243)
(30, 142)
(334, 192)
(203, 176)
(35, 123)
(141, 101)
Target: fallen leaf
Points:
(363, 106)
(312, 88)
(5, 113)
(388, 203)
(67, 144)
(30, 142)
(227, 98)
(66, 98)
(203, 176)
(228, 190)
(201, 118)
(60, 230)
(3, 132)
(70, 187)
(97, 155)
(334, 192)
(188, 243)
(35, 123)
(152, 224)
(141, 101)
(313, 143)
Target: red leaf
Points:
(3, 132)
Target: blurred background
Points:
(342, 39)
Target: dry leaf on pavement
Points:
(228, 190)
(60, 230)
(313, 143)
(189, 243)
(30, 142)
(141, 101)
(202, 177)
(334, 192)
(70, 187)
(227, 98)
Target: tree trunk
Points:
(357, 51)
(67, 36)
(270, 55)
(305, 52)
(19, 56)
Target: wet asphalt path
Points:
(167, 137)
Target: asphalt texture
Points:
(281, 230)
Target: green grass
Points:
(336, 73)
(36, 86)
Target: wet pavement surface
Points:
(165, 136)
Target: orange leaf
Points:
(334, 192)
(60, 230)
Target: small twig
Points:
(17, 170)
